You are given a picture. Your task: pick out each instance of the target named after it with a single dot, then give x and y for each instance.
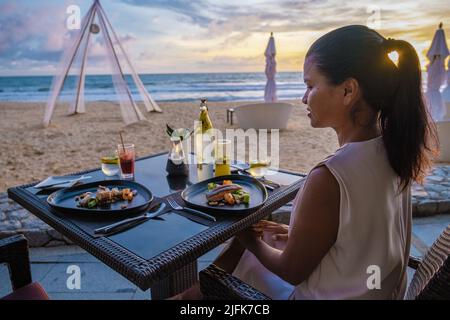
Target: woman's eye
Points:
(309, 87)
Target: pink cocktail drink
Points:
(126, 155)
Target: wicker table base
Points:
(177, 282)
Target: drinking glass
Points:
(259, 167)
(222, 157)
(127, 156)
(110, 165)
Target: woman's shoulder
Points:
(354, 153)
(321, 181)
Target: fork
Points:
(176, 206)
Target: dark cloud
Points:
(190, 9)
(292, 14)
(25, 36)
(28, 37)
(237, 23)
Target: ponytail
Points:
(393, 92)
(409, 135)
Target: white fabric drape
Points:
(270, 91)
(129, 110)
(437, 54)
(149, 103)
(446, 93)
(78, 52)
(77, 105)
(66, 63)
(435, 79)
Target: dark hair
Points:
(393, 92)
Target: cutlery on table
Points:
(243, 169)
(268, 186)
(130, 222)
(60, 182)
(240, 168)
(176, 206)
(271, 183)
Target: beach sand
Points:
(31, 152)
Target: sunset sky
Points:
(207, 35)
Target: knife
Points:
(131, 222)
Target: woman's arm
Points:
(313, 232)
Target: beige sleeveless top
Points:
(369, 258)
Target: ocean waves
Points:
(162, 87)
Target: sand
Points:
(31, 152)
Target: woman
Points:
(350, 228)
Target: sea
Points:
(182, 87)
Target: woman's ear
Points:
(351, 91)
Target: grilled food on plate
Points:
(104, 196)
(226, 193)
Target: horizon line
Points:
(153, 73)
(146, 73)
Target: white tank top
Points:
(374, 229)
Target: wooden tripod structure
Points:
(130, 111)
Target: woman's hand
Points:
(279, 231)
(250, 236)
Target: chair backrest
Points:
(432, 278)
(263, 115)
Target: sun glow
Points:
(394, 57)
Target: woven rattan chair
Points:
(431, 279)
(14, 252)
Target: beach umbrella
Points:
(436, 74)
(270, 91)
(446, 93)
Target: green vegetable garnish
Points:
(211, 185)
(92, 203)
(246, 198)
(183, 133)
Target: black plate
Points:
(195, 195)
(64, 200)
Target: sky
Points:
(184, 36)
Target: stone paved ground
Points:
(434, 196)
(430, 199)
(15, 219)
(99, 282)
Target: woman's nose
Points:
(305, 98)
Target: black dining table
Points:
(160, 254)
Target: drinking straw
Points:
(121, 139)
